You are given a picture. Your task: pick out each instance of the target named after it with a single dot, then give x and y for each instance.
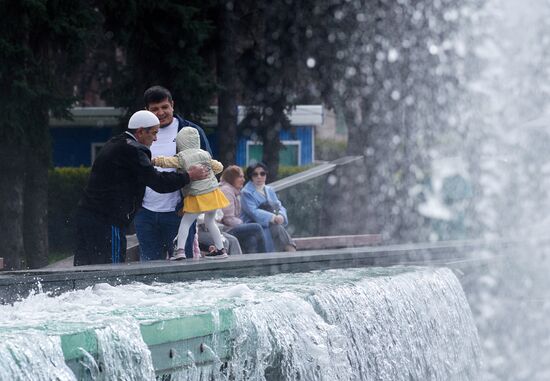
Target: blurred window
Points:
(289, 155)
(96, 147)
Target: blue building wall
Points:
(303, 134)
(72, 146)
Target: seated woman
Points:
(250, 235)
(260, 204)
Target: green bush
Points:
(329, 149)
(285, 171)
(64, 191)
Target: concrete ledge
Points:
(15, 285)
(337, 241)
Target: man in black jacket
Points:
(115, 191)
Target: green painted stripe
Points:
(199, 327)
(186, 327)
(70, 344)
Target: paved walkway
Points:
(131, 245)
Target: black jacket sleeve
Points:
(162, 182)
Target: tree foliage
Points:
(159, 43)
(36, 53)
(271, 70)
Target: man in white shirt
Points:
(157, 222)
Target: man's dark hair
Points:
(156, 94)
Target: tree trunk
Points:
(362, 141)
(273, 124)
(35, 225)
(227, 77)
(344, 201)
(353, 115)
(347, 190)
(11, 209)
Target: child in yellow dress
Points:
(201, 196)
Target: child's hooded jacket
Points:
(189, 153)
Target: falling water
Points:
(356, 324)
(32, 356)
(413, 326)
(124, 356)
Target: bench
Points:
(302, 243)
(337, 241)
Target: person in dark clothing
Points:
(115, 190)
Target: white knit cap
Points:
(143, 118)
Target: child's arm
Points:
(217, 167)
(166, 162)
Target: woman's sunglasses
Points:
(256, 174)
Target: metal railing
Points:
(309, 174)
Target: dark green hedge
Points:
(64, 191)
(329, 149)
(285, 171)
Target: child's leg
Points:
(183, 231)
(210, 224)
(196, 248)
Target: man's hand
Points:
(279, 220)
(197, 172)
